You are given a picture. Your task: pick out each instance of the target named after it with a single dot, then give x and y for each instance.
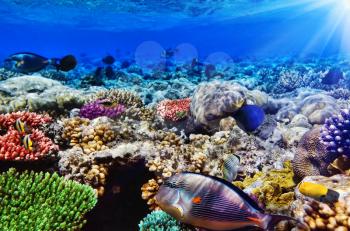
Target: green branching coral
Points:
(161, 221)
(42, 201)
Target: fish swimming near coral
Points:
(249, 117)
(212, 203)
(318, 192)
(230, 167)
(28, 143)
(21, 126)
(27, 62)
(109, 60)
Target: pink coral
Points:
(32, 119)
(11, 147)
(174, 110)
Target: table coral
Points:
(174, 110)
(126, 98)
(43, 201)
(274, 189)
(97, 109)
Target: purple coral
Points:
(97, 109)
(335, 133)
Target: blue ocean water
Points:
(237, 28)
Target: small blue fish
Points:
(212, 203)
(249, 117)
(230, 167)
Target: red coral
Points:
(11, 147)
(174, 110)
(32, 119)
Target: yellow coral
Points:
(275, 188)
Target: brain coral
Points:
(312, 157)
(43, 201)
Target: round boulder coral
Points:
(214, 101)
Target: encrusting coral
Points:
(274, 189)
(43, 201)
(11, 147)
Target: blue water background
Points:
(286, 31)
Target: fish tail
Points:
(272, 220)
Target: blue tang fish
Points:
(249, 117)
(212, 203)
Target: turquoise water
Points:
(238, 28)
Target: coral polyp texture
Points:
(11, 143)
(43, 201)
(174, 110)
(98, 109)
(335, 133)
(159, 220)
(117, 96)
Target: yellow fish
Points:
(318, 192)
(28, 143)
(21, 126)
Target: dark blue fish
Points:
(109, 60)
(27, 62)
(212, 203)
(249, 117)
(333, 76)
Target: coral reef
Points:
(174, 110)
(98, 109)
(11, 147)
(116, 96)
(39, 94)
(273, 189)
(159, 220)
(312, 157)
(322, 216)
(335, 134)
(89, 135)
(149, 190)
(43, 201)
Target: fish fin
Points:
(236, 189)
